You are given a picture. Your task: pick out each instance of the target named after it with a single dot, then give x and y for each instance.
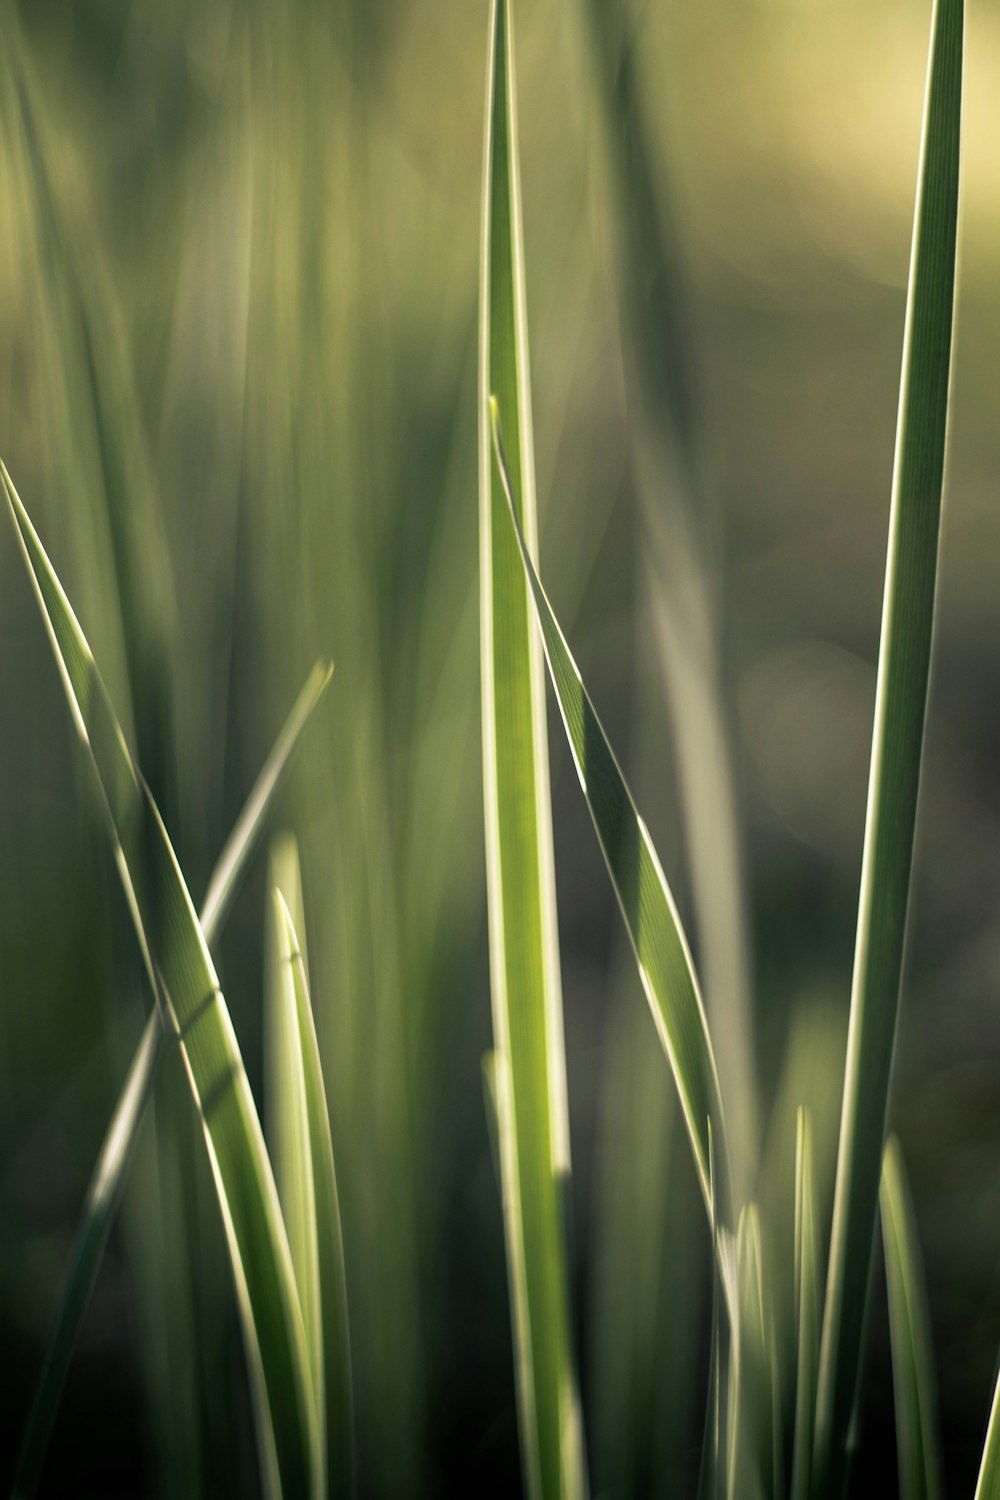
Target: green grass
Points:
(368, 1293)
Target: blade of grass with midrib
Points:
(900, 711)
(187, 988)
(524, 956)
(306, 1177)
(104, 1192)
(909, 1328)
(654, 927)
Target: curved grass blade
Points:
(806, 1307)
(909, 1329)
(524, 951)
(988, 1484)
(900, 710)
(187, 988)
(679, 550)
(107, 1181)
(307, 1184)
(661, 950)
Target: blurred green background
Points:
(238, 301)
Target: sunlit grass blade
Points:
(807, 1292)
(524, 952)
(661, 950)
(988, 1484)
(912, 1351)
(187, 987)
(679, 548)
(104, 1192)
(900, 710)
(307, 1182)
(752, 1457)
(711, 1470)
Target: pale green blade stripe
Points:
(913, 1381)
(664, 959)
(900, 709)
(524, 955)
(807, 1284)
(711, 1467)
(988, 1484)
(307, 1183)
(184, 977)
(104, 1192)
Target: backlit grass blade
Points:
(679, 548)
(909, 1328)
(712, 1468)
(188, 989)
(524, 954)
(104, 1192)
(900, 709)
(807, 1291)
(988, 1484)
(307, 1181)
(751, 1449)
(661, 950)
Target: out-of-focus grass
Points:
(280, 211)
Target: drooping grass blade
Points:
(307, 1182)
(187, 988)
(807, 1291)
(679, 550)
(104, 1192)
(524, 953)
(654, 927)
(712, 1468)
(900, 710)
(913, 1382)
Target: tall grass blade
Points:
(106, 1183)
(524, 954)
(711, 1468)
(307, 1181)
(988, 1484)
(661, 950)
(913, 1382)
(679, 551)
(900, 709)
(807, 1291)
(185, 983)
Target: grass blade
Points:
(679, 550)
(900, 710)
(988, 1484)
(307, 1182)
(524, 954)
(107, 1181)
(710, 1469)
(909, 1328)
(661, 950)
(187, 987)
(807, 1284)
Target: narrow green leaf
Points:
(524, 952)
(307, 1182)
(806, 1307)
(710, 1469)
(751, 1446)
(661, 950)
(909, 1330)
(900, 710)
(187, 988)
(679, 550)
(106, 1183)
(988, 1484)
